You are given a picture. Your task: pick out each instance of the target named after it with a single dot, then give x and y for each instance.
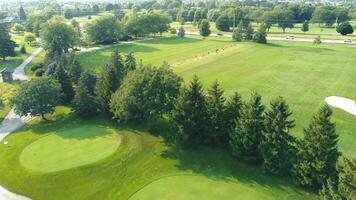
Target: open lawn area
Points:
(56, 159)
(13, 62)
(303, 73)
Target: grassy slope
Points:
(140, 160)
(302, 73)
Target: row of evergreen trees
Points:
(248, 129)
(262, 135)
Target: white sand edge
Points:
(342, 103)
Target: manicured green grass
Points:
(13, 62)
(70, 147)
(303, 73)
(141, 160)
(156, 51)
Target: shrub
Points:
(23, 49)
(35, 67)
(173, 31)
(39, 72)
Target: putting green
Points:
(200, 187)
(69, 148)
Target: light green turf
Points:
(70, 147)
(201, 187)
(156, 51)
(141, 159)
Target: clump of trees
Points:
(58, 37)
(104, 30)
(145, 93)
(140, 25)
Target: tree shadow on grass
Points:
(219, 165)
(68, 126)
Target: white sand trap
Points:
(345, 104)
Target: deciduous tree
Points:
(37, 97)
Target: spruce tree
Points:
(74, 71)
(189, 116)
(318, 152)
(84, 102)
(66, 84)
(22, 14)
(329, 191)
(233, 111)
(246, 138)
(249, 32)
(7, 46)
(216, 110)
(90, 81)
(347, 179)
(204, 28)
(109, 81)
(276, 143)
(130, 63)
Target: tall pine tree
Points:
(130, 63)
(329, 191)
(318, 152)
(109, 81)
(276, 143)
(233, 111)
(7, 46)
(84, 102)
(74, 71)
(347, 179)
(66, 84)
(190, 114)
(216, 110)
(246, 138)
(22, 14)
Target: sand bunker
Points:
(345, 104)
